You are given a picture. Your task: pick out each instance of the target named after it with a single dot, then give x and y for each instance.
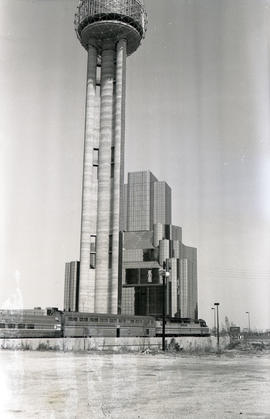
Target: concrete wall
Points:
(186, 344)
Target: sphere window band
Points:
(126, 8)
(99, 20)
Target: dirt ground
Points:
(99, 385)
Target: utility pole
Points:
(213, 308)
(217, 304)
(165, 274)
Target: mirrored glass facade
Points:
(149, 240)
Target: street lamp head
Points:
(216, 304)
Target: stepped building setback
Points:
(149, 240)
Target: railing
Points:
(127, 8)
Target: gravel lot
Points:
(99, 385)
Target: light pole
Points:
(248, 313)
(214, 312)
(165, 275)
(217, 304)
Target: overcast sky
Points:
(197, 117)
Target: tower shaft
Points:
(119, 151)
(86, 289)
(105, 180)
(101, 206)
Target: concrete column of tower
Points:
(104, 177)
(119, 145)
(85, 286)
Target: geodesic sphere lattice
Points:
(98, 21)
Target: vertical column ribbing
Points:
(85, 286)
(164, 251)
(173, 280)
(158, 233)
(104, 182)
(118, 192)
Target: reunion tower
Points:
(109, 30)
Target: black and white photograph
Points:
(135, 209)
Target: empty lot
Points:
(99, 385)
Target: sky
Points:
(197, 116)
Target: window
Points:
(112, 162)
(110, 250)
(110, 260)
(149, 276)
(2, 325)
(93, 319)
(95, 156)
(150, 255)
(92, 261)
(112, 155)
(110, 243)
(132, 276)
(93, 252)
(30, 326)
(95, 162)
(21, 326)
(11, 326)
(93, 243)
(72, 319)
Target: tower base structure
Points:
(149, 239)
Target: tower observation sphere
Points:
(109, 30)
(102, 20)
